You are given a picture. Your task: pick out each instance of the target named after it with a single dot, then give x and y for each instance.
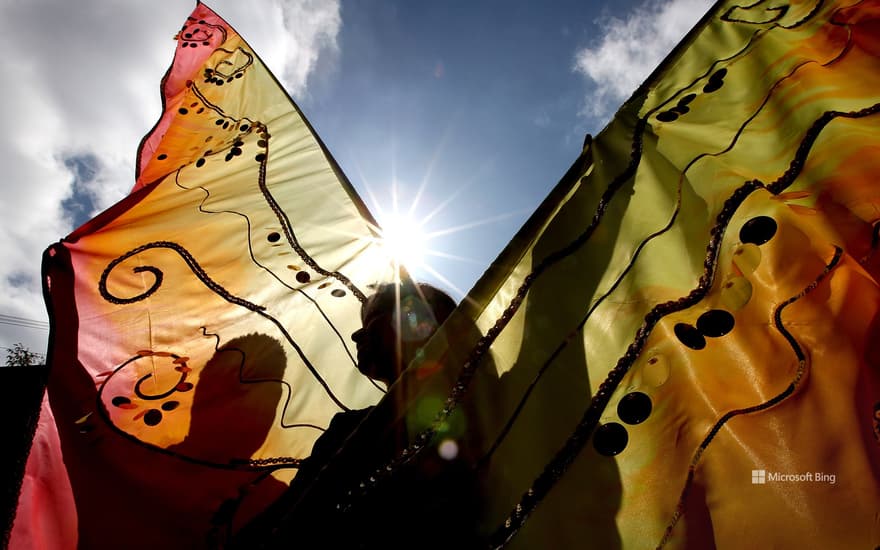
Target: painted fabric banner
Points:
(680, 348)
(201, 326)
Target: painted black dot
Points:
(689, 336)
(687, 99)
(238, 143)
(188, 35)
(226, 125)
(200, 163)
(235, 151)
(193, 45)
(260, 157)
(239, 75)
(170, 405)
(229, 157)
(218, 82)
(200, 111)
(337, 292)
(163, 156)
(273, 237)
(712, 86)
(153, 417)
(229, 79)
(715, 323)
(680, 109)
(205, 43)
(303, 277)
(667, 116)
(634, 408)
(219, 122)
(244, 127)
(610, 439)
(758, 230)
(262, 143)
(119, 400)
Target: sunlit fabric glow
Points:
(697, 302)
(201, 326)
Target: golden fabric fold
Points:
(201, 326)
(677, 350)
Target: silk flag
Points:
(201, 326)
(680, 347)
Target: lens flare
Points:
(404, 240)
(448, 449)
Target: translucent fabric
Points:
(679, 349)
(201, 326)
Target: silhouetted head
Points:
(397, 321)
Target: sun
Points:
(404, 240)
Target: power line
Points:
(14, 320)
(17, 318)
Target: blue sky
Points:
(477, 108)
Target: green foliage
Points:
(20, 356)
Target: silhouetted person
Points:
(397, 322)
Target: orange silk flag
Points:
(201, 326)
(681, 348)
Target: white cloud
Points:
(81, 79)
(629, 49)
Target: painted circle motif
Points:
(758, 230)
(690, 336)
(715, 323)
(610, 439)
(634, 408)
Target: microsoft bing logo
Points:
(761, 477)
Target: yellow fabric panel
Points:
(201, 332)
(696, 300)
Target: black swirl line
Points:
(214, 287)
(781, 11)
(556, 468)
(270, 199)
(192, 20)
(569, 338)
(163, 395)
(269, 271)
(280, 381)
(235, 464)
(575, 332)
(207, 103)
(483, 344)
(813, 12)
(775, 400)
(248, 55)
(163, 98)
(287, 227)
(283, 220)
